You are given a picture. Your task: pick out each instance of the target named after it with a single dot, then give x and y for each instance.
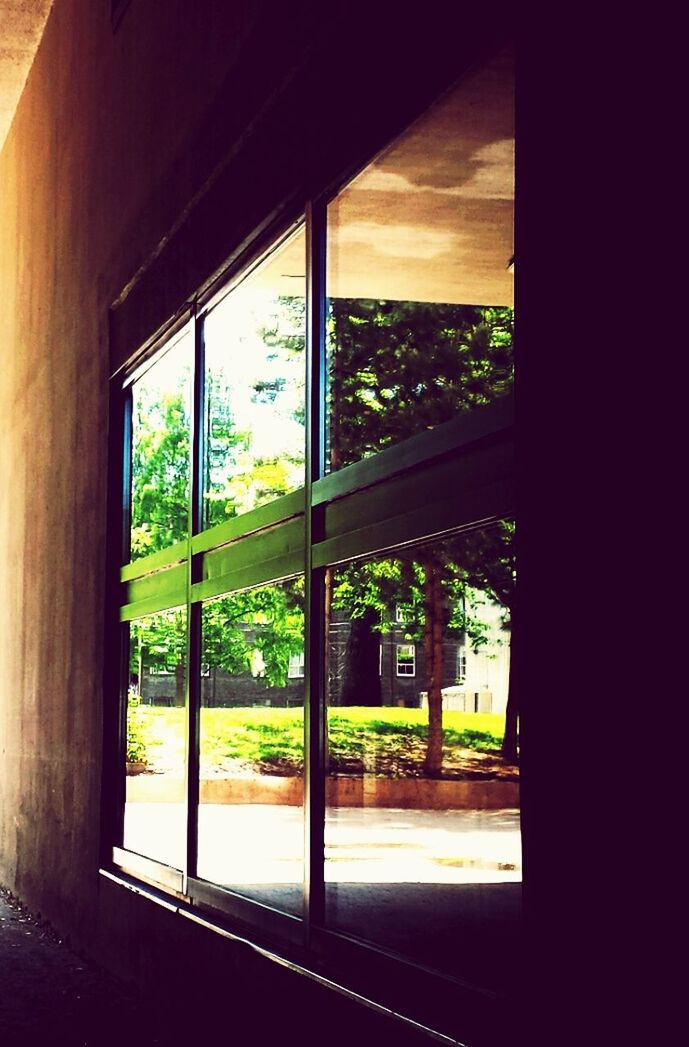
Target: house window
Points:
(406, 659)
(304, 472)
(461, 664)
(295, 670)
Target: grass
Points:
(385, 740)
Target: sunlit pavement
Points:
(414, 882)
(263, 843)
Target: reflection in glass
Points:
(255, 371)
(423, 829)
(420, 297)
(251, 830)
(160, 451)
(154, 821)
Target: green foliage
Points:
(396, 583)
(268, 620)
(224, 445)
(396, 369)
(158, 641)
(137, 734)
(237, 477)
(399, 368)
(160, 471)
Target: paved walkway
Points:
(49, 996)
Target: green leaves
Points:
(269, 620)
(398, 368)
(160, 471)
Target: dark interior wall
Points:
(139, 162)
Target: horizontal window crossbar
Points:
(423, 489)
(479, 507)
(280, 568)
(176, 553)
(152, 604)
(164, 585)
(457, 434)
(285, 540)
(265, 516)
(247, 910)
(138, 865)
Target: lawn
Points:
(383, 741)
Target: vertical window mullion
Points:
(193, 682)
(116, 635)
(314, 722)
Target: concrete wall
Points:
(96, 131)
(120, 142)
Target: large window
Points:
(318, 735)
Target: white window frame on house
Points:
(461, 664)
(295, 670)
(403, 653)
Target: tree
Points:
(397, 369)
(159, 642)
(267, 620)
(439, 590)
(160, 470)
(243, 468)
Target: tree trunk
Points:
(511, 736)
(329, 685)
(361, 684)
(433, 651)
(180, 676)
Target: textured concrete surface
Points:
(51, 995)
(48, 994)
(21, 27)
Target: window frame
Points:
(296, 661)
(329, 521)
(399, 648)
(461, 664)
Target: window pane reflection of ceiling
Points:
(431, 219)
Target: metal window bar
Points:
(314, 683)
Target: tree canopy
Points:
(395, 369)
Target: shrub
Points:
(137, 750)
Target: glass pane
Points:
(154, 820)
(255, 368)
(423, 845)
(420, 246)
(160, 451)
(251, 832)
